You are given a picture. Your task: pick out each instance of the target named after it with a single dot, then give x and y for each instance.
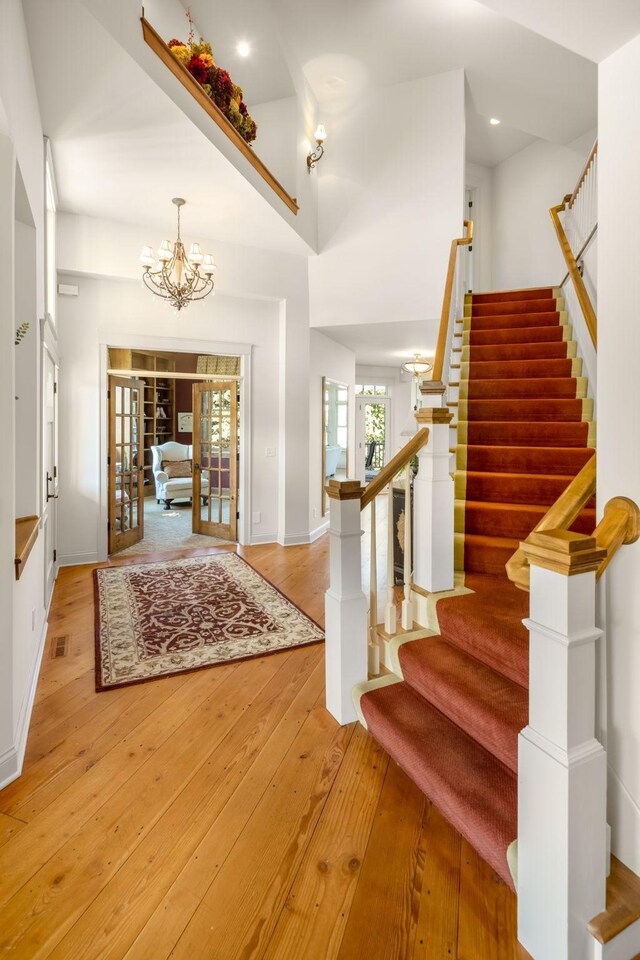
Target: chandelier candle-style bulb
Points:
(175, 276)
(146, 257)
(320, 134)
(165, 251)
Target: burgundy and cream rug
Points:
(157, 619)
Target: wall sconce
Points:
(320, 136)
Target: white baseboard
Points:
(295, 539)
(12, 759)
(263, 538)
(76, 559)
(317, 533)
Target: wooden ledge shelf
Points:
(159, 47)
(26, 536)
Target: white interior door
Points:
(50, 467)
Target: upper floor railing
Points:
(576, 230)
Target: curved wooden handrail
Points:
(581, 178)
(620, 524)
(581, 291)
(559, 516)
(388, 472)
(441, 346)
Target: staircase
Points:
(451, 715)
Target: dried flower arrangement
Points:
(216, 82)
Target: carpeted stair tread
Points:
(486, 555)
(500, 296)
(487, 624)
(473, 789)
(566, 461)
(513, 307)
(533, 434)
(480, 337)
(520, 360)
(540, 409)
(511, 488)
(523, 388)
(514, 521)
(526, 321)
(487, 706)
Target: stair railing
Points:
(354, 648)
(576, 231)
(452, 304)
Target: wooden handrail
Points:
(388, 472)
(581, 178)
(157, 44)
(581, 291)
(620, 524)
(559, 516)
(441, 346)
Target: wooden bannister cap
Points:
(429, 387)
(563, 552)
(344, 489)
(427, 415)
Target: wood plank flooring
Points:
(224, 815)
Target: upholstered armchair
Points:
(175, 483)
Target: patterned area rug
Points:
(157, 619)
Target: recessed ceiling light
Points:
(494, 121)
(243, 48)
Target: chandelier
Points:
(174, 276)
(418, 366)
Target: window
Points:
(50, 236)
(372, 390)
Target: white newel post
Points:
(345, 603)
(433, 497)
(562, 846)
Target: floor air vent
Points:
(59, 647)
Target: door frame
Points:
(361, 400)
(177, 345)
(48, 345)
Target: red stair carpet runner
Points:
(524, 431)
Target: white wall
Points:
(21, 603)
(480, 179)
(619, 427)
(336, 362)
(275, 143)
(106, 311)
(390, 201)
(526, 252)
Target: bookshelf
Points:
(159, 401)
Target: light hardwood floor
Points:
(224, 815)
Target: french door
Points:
(125, 462)
(215, 459)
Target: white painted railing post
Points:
(562, 847)
(345, 603)
(433, 498)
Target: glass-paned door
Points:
(126, 463)
(372, 436)
(215, 459)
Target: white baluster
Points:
(407, 605)
(374, 648)
(390, 614)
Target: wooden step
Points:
(623, 903)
